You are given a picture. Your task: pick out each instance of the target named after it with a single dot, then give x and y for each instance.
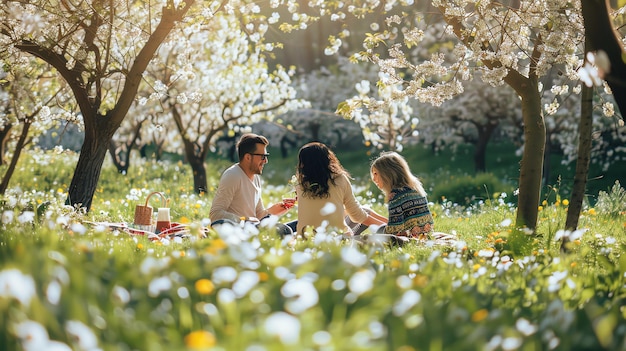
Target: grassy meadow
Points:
(69, 284)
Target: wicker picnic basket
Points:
(143, 214)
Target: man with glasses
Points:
(238, 196)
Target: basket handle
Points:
(163, 200)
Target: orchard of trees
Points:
(183, 74)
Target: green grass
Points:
(242, 290)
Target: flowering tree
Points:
(127, 138)
(562, 113)
(142, 127)
(101, 50)
(326, 88)
(515, 43)
(212, 81)
(26, 113)
(474, 117)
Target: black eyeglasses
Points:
(263, 156)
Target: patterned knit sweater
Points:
(409, 214)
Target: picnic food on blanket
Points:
(144, 224)
(175, 230)
(143, 214)
(163, 219)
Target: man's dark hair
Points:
(247, 144)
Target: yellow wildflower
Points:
(200, 340)
(479, 315)
(204, 286)
(263, 276)
(420, 280)
(216, 246)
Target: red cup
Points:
(289, 202)
(163, 220)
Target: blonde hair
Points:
(394, 173)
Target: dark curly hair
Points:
(317, 168)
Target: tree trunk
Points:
(143, 151)
(5, 132)
(200, 184)
(480, 150)
(547, 154)
(87, 172)
(315, 130)
(195, 153)
(119, 157)
(585, 129)
(16, 155)
(480, 164)
(532, 159)
(121, 154)
(600, 35)
(285, 145)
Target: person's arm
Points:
(378, 216)
(353, 209)
(224, 196)
(278, 209)
(374, 218)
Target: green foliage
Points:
(469, 189)
(239, 289)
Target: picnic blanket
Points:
(175, 230)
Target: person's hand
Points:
(278, 209)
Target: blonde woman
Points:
(409, 215)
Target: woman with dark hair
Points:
(324, 193)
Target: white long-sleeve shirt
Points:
(237, 196)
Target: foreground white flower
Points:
(157, 285)
(301, 295)
(34, 337)
(353, 256)
(82, 335)
(15, 285)
(361, 282)
(284, 326)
